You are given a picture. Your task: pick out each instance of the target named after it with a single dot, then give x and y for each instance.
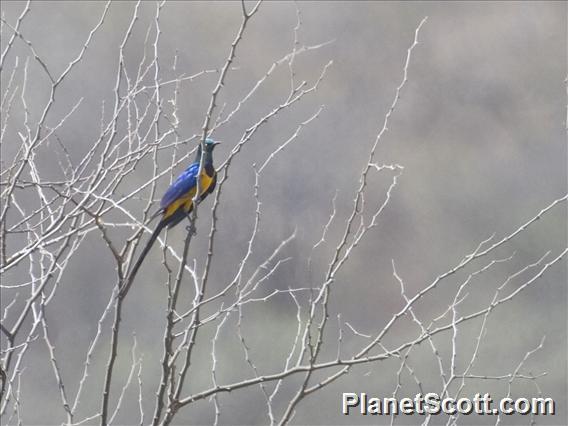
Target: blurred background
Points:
(480, 130)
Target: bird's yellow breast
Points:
(186, 200)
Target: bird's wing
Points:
(182, 185)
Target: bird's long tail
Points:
(130, 278)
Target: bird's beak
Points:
(217, 143)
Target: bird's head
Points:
(210, 145)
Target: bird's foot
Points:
(191, 229)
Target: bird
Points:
(177, 202)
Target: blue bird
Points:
(177, 202)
